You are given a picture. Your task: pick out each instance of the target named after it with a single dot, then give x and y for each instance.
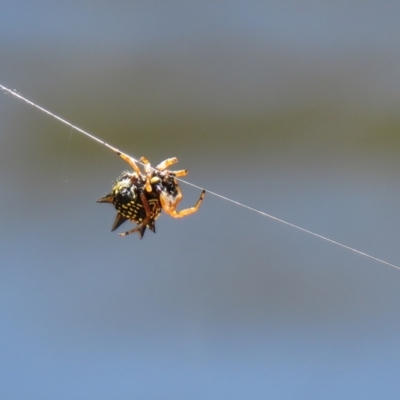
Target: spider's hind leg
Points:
(169, 204)
(141, 229)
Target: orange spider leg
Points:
(170, 203)
(130, 161)
(181, 172)
(147, 170)
(166, 163)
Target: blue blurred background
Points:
(289, 107)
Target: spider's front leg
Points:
(128, 159)
(169, 204)
(166, 163)
(148, 172)
(170, 161)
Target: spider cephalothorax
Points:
(141, 197)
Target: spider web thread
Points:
(264, 214)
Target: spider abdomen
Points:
(133, 209)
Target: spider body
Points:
(140, 197)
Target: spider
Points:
(140, 197)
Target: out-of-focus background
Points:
(288, 107)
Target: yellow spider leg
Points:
(130, 161)
(166, 163)
(181, 172)
(169, 205)
(146, 163)
(147, 169)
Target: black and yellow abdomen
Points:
(126, 198)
